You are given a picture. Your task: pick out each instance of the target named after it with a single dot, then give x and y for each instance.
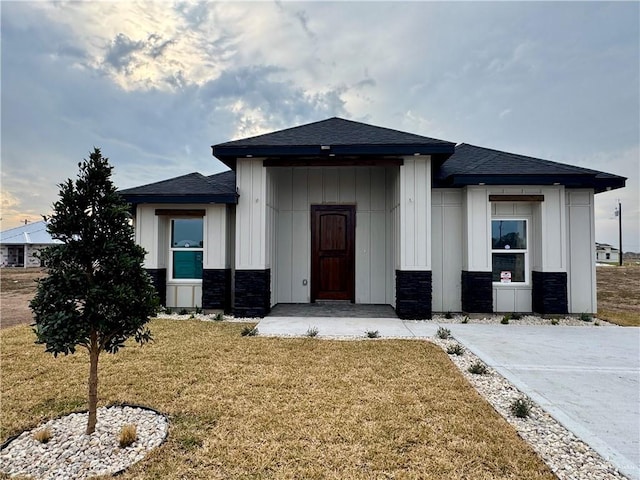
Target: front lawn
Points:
(264, 408)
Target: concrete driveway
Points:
(587, 378)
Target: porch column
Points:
(477, 288)
(252, 262)
(413, 274)
(549, 271)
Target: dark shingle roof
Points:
(191, 188)
(342, 137)
(470, 165)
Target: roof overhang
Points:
(599, 183)
(231, 198)
(337, 154)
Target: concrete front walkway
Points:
(587, 378)
(346, 327)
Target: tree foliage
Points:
(96, 294)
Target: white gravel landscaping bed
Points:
(72, 454)
(567, 321)
(565, 454)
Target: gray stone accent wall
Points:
(549, 293)
(159, 280)
(477, 292)
(413, 294)
(252, 293)
(216, 289)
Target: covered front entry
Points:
(333, 252)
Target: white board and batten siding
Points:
(153, 233)
(446, 253)
(580, 226)
(300, 187)
(547, 237)
(415, 213)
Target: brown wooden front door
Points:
(333, 231)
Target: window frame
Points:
(524, 251)
(172, 249)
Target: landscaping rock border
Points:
(70, 453)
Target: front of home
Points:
(344, 211)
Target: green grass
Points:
(268, 408)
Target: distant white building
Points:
(605, 253)
(18, 245)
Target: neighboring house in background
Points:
(605, 253)
(341, 210)
(18, 245)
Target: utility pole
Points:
(619, 215)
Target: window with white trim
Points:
(186, 248)
(509, 251)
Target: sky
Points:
(155, 84)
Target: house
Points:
(342, 210)
(19, 246)
(605, 253)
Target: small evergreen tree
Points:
(96, 294)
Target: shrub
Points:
(448, 315)
(443, 333)
(516, 316)
(465, 319)
(521, 407)
(312, 332)
(183, 311)
(372, 333)
(505, 320)
(43, 435)
(167, 310)
(478, 368)
(249, 331)
(128, 435)
(455, 349)
(218, 317)
(554, 321)
(198, 310)
(585, 317)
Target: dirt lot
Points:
(618, 294)
(17, 286)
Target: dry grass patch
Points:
(253, 407)
(619, 294)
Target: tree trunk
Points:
(94, 351)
